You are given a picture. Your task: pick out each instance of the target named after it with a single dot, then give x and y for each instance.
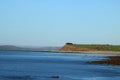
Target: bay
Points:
(20, 65)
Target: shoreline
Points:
(110, 60)
(92, 52)
(78, 52)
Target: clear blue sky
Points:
(55, 22)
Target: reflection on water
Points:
(17, 77)
(17, 65)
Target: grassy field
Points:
(97, 47)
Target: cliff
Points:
(71, 48)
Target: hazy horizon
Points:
(56, 22)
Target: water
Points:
(18, 65)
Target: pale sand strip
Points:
(94, 52)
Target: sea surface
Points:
(20, 65)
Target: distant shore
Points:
(92, 52)
(90, 48)
(79, 52)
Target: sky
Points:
(56, 22)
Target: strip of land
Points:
(111, 60)
(91, 48)
(90, 52)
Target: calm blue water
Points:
(18, 65)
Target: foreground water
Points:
(18, 65)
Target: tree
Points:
(69, 43)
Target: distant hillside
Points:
(89, 47)
(11, 47)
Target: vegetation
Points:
(69, 43)
(97, 47)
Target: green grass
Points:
(98, 47)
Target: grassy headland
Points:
(70, 47)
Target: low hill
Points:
(69, 47)
(11, 47)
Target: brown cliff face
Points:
(71, 48)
